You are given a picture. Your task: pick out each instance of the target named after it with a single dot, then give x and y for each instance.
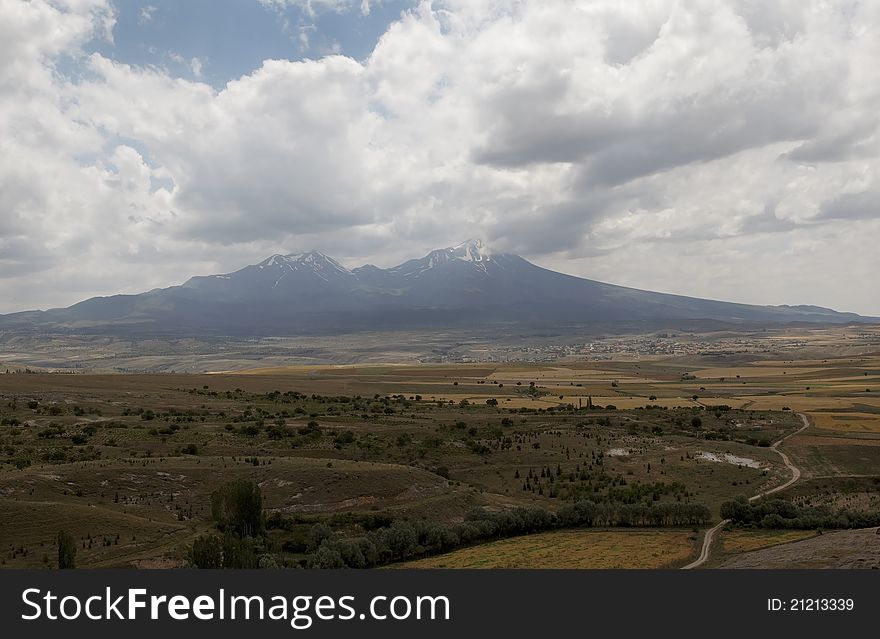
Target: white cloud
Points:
(683, 146)
(146, 14)
(314, 7)
(196, 65)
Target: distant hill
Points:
(457, 287)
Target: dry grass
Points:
(573, 549)
(761, 369)
(105, 538)
(839, 549)
(134, 506)
(382, 473)
(737, 541)
(846, 422)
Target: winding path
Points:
(707, 544)
(795, 475)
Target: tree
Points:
(237, 507)
(66, 550)
(318, 533)
(207, 552)
(239, 553)
(327, 557)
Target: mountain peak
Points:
(471, 251)
(312, 257)
(462, 285)
(315, 261)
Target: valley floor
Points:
(128, 462)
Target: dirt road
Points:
(795, 475)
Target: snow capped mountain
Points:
(466, 285)
(471, 251)
(318, 264)
(311, 261)
(315, 273)
(277, 275)
(473, 255)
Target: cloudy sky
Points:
(727, 149)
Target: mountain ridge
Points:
(458, 286)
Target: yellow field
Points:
(805, 402)
(753, 370)
(737, 541)
(763, 384)
(846, 422)
(573, 549)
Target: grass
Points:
(104, 537)
(834, 456)
(424, 460)
(835, 549)
(737, 541)
(846, 423)
(573, 549)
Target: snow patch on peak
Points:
(313, 261)
(471, 251)
(319, 260)
(474, 252)
(312, 257)
(275, 260)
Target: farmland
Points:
(838, 549)
(127, 463)
(573, 549)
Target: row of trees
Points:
(404, 540)
(778, 513)
(587, 513)
(242, 543)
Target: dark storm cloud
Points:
(618, 145)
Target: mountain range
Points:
(464, 286)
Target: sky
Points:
(727, 149)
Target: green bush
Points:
(237, 507)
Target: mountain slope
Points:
(461, 286)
